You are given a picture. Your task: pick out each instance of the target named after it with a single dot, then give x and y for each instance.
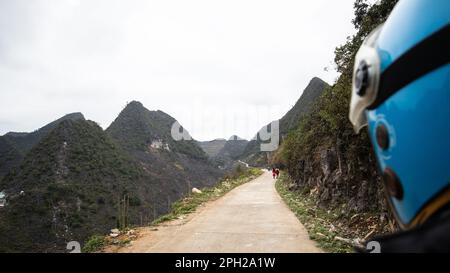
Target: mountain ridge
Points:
(15, 145)
(142, 125)
(289, 121)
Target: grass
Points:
(94, 243)
(318, 221)
(190, 203)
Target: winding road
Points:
(250, 218)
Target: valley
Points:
(222, 126)
(71, 180)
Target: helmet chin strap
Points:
(432, 207)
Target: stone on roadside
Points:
(195, 190)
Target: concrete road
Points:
(250, 218)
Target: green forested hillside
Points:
(25, 141)
(312, 92)
(146, 136)
(79, 180)
(10, 156)
(177, 165)
(68, 188)
(136, 128)
(14, 146)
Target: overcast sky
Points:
(219, 67)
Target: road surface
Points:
(250, 218)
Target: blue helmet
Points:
(401, 90)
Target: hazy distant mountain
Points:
(14, 146)
(235, 137)
(212, 147)
(224, 153)
(233, 147)
(289, 121)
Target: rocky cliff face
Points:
(328, 175)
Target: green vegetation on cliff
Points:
(68, 188)
(14, 146)
(78, 180)
(136, 128)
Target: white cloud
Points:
(219, 67)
